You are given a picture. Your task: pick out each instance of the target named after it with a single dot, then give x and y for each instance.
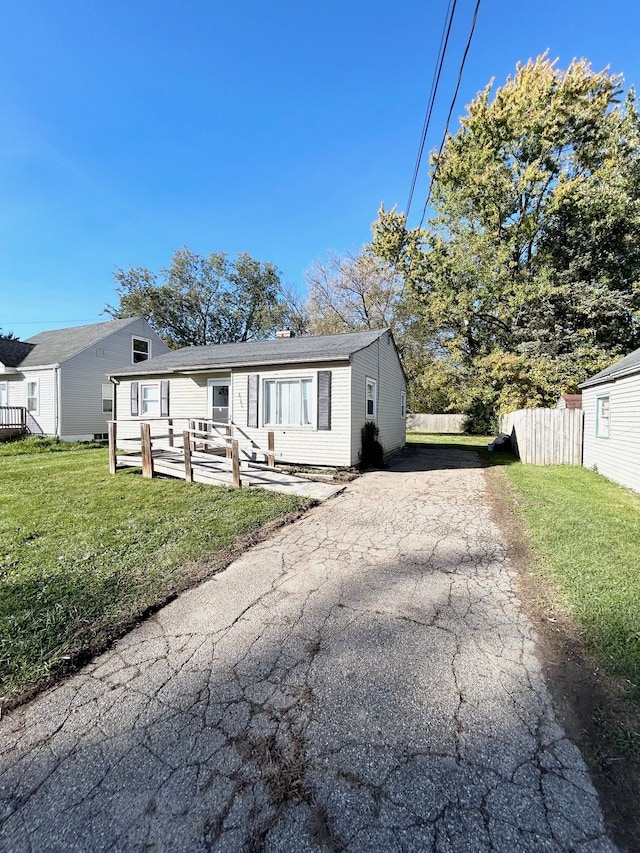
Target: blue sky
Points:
(275, 127)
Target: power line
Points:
(453, 101)
(435, 80)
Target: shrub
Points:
(372, 453)
(481, 418)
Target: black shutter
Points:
(134, 399)
(252, 400)
(164, 398)
(324, 399)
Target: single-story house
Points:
(60, 376)
(611, 404)
(314, 393)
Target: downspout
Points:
(57, 402)
(114, 412)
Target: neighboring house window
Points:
(403, 404)
(287, 402)
(371, 398)
(150, 400)
(32, 397)
(602, 417)
(4, 394)
(107, 398)
(141, 349)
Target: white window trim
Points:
(599, 431)
(374, 383)
(103, 398)
(141, 413)
(403, 404)
(312, 412)
(35, 382)
(135, 338)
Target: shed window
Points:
(33, 397)
(602, 417)
(371, 397)
(107, 398)
(287, 402)
(150, 400)
(141, 349)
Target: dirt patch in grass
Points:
(592, 706)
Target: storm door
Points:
(219, 400)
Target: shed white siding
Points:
(618, 456)
(82, 375)
(378, 361)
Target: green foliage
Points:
(372, 453)
(206, 300)
(528, 271)
(84, 553)
(481, 418)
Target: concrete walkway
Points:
(365, 681)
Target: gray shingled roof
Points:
(60, 344)
(12, 352)
(629, 364)
(279, 351)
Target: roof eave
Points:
(610, 377)
(206, 368)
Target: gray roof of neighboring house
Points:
(60, 344)
(627, 365)
(278, 351)
(12, 352)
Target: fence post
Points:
(235, 462)
(145, 450)
(271, 457)
(227, 431)
(112, 447)
(170, 432)
(188, 470)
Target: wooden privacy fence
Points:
(545, 436)
(436, 423)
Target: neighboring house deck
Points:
(611, 404)
(314, 394)
(60, 377)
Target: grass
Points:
(83, 553)
(586, 533)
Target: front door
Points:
(219, 400)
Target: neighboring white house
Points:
(60, 376)
(611, 404)
(314, 393)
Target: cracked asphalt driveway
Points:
(364, 680)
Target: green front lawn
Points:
(83, 553)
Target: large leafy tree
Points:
(207, 300)
(530, 264)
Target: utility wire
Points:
(444, 40)
(453, 101)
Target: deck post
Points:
(271, 456)
(188, 470)
(112, 447)
(227, 431)
(145, 450)
(170, 432)
(235, 462)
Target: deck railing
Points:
(201, 435)
(13, 417)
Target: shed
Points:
(314, 393)
(611, 403)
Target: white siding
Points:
(42, 422)
(378, 361)
(616, 457)
(82, 376)
(303, 445)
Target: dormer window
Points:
(141, 349)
